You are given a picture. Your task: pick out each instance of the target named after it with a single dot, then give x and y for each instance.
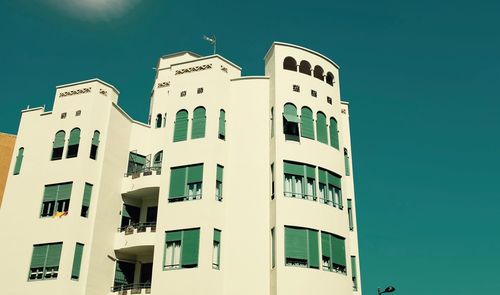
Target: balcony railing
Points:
(138, 227)
(300, 196)
(331, 203)
(133, 288)
(145, 171)
(184, 198)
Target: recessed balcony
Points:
(133, 271)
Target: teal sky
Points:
(422, 78)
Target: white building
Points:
(239, 185)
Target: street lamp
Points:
(386, 290)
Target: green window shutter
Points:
(313, 248)
(353, 267)
(306, 121)
(125, 212)
(74, 136)
(124, 273)
(321, 127)
(77, 261)
(59, 139)
(19, 161)
(181, 126)
(64, 191)
(295, 169)
(346, 163)
(217, 235)
(87, 193)
(177, 182)
(338, 251)
(349, 204)
(95, 138)
(290, 113)
(53, 255)
(195, 173)
(39, 255)
(173, 236)
(199, 122)
(220, 171)
(326, 248)
(136, 158)
(334, 133)
(295, 243)
(322, 175)
(50, 192)
(310, 172)
(119, 275)
(190, 246)
(222, 123)
(334, 180)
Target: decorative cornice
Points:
(75, 92)
(163, 84)
(193, 69)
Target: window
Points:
(181, 126)
(183, 93)
(87, 194)
(186, 183)
(306, 123)
(305, 67)
(300, 181)
(130, 216)
(334, 133)
(346, 163)
(165, 120)
(273, 249)
(318, 73)
(329, 100)
(56, 199)
(158, 121)
(63, 115)
(314, 93)
(19, 161)
(218, 183)
(78, 113)
(330, 188)
(321, 127)
(290, 122)
(45, 261)
(58, 146)
(199, 122)
(222, 124)
(77, 262)
(199, 90)
(290, 64)
(216, 250)
(73, 143)
(157, 162)
(136, 163)
(95, 145)
(301, 247)
(349, 214)
(124, 273)
(333, 253)
(354, 273)
(296, 88)
(181, 248)
(272, 122)
(329, 78)
(272, 181)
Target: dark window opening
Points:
(72, 151)
(290, 64)
(57, 153)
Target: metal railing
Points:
(184, 198)
(300, 196)
(134, 288)
(145, 171)
(331, 203)
(140, 227)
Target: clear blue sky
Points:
(422, 78)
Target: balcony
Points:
(140, 288)
(133, 271)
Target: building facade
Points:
(7, 142)
(237, 185)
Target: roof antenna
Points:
(212, 40)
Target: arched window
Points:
(181, 125)
(329, 78)
(290, 64)
(290, 122)
(347, 164)
(199, 122)
(334, 133)
(306, 122)
(321, 127)
(58, 146)
(305, 67)
(73, 143)
(157, 160)
(222, 124)
(318, 72)
(19, 161)
(158, 121)
(95, 145)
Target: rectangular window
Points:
(301, 247)
(349, 213)
(19, 161)
(296, 88)
(273, 249)
(124, 274)
(56, 199)
(186, 183)
(333, 253)
(314, 93)
(272, 181)
(87, 193)
(330, 188)
(181, 248)
(218, 183)
(77, 262)
(354, 273)
(329, 100)
(216, 250)
(300, 181)
(45, 261)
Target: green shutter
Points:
(334, 180)
(195, 173)
(334, 133)
(59, 139)
(125, 212)
(353, 267)
(295, 169)
(74, 137)
(190, 246)
(296, 243)
(220, 171)
(64, 191)
(222, 123)
(173, 236)
(313, 248)
(119, 275)
(326, 248)
(136, 158)
(321, 127)
(199, 120)
(346, 163)
(181, 126)
(290, 113)
(124, 273)
(310, 172)
(19, 161)
(306, 121)
(39, 255)
(95, 138)
(217, 235)
(87, 193)
(338, 250)
(53, 255)
(322, 175)
(177, 182)
(77, 261)
(50, 193)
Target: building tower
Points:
(237, 185)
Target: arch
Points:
(290, 122)
(306, 123)
(329, 78)
(158, 121)
(222, 124)
(95, 145)
(290, 64)
(19, 161)
(321, 129)
(199, 122)
(318, 73)
(73, 143)
(157, 161)
(334, 133)
(58, 145)
(305, 67)
(181, 125)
